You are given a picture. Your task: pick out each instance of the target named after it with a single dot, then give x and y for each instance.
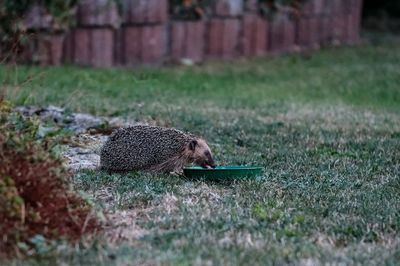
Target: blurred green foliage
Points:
(197, 9)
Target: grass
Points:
(326, 129)
(366, 77)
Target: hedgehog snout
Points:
(210, 163)
(206, 161)
(211, 166)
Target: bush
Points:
(187, 10)
(13, 35)
(35, 198)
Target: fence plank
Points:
(144, 45)
(254, 35)
(227, 8)
(97, 13)
(144, 11)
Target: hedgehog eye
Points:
(192, 145)
(207, 153)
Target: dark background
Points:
(381, 8)
(381, 16)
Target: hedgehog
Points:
(154, 149)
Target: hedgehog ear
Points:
(192, 145)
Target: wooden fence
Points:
(142, 32)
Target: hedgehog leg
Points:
(174, 174)
(177, 172)
(159, 168)
(165, 167)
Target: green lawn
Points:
(326, 129)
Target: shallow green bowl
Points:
(228, 172)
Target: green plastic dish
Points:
(229, 172)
